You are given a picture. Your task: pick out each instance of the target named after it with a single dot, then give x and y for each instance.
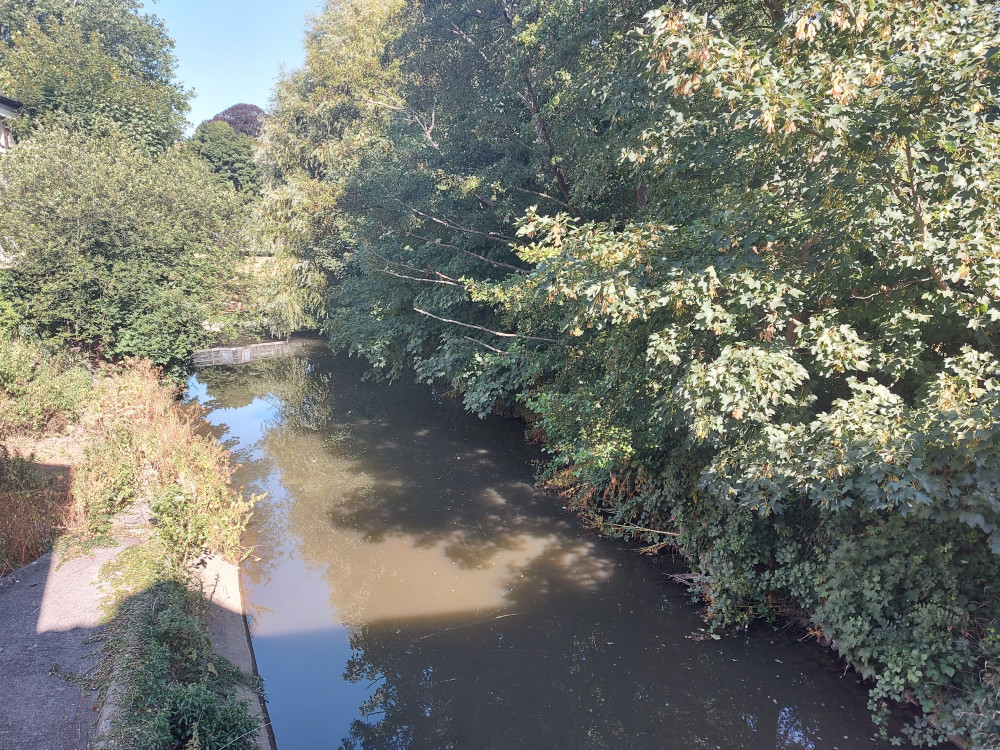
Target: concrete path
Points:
(46, 614)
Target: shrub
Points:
(112, 248)
(146, 446)
(38, 385)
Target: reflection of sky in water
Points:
(244, 426)
(790, 731)
(414, 590)
(321, 642)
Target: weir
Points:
(242, 355)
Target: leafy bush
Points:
(229, 154)
(112, 248)
(38, 384)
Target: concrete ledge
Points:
(227, 627)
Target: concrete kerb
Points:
(227, 627)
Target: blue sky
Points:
(231, 51)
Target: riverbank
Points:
(132, 615)
(60, 691)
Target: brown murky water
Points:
(411, 589)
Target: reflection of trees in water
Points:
(556, 670)
(504, 680)
(556, 660)
(293, 385)
(299, 394)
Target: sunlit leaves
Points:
(112, 248)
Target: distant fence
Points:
(241, 355)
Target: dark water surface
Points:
(411, 589)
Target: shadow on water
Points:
(411, 589)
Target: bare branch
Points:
(412, 268)
(419, 119)
(638, 529)
(439, 243)
(484, 344)
(552, 198)
(416, 278)
(471, 41)
(487, 330)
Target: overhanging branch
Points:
(501, 334)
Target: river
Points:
(411, 588)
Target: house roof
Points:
(6, 101)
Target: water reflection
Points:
(412, 590)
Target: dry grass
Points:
(117, 436)
(143, 444)
(33, 510)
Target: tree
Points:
(229, 154)
(113, 248)
(247, 119)
(138, 42)
(407, 149)
(92, 61)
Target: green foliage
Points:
(229, 154)
(400, 176)
(112, 248)
(285, 294)
(109, 477)
(38, 385)
(135, 39)
(94, 61)
(770, 329)
(179, 693)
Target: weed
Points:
(177, 691)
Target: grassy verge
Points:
(81, 443)
(172, 689)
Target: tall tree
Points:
(229, 154)
(247, 119)
(427, 139)
(94, 60)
